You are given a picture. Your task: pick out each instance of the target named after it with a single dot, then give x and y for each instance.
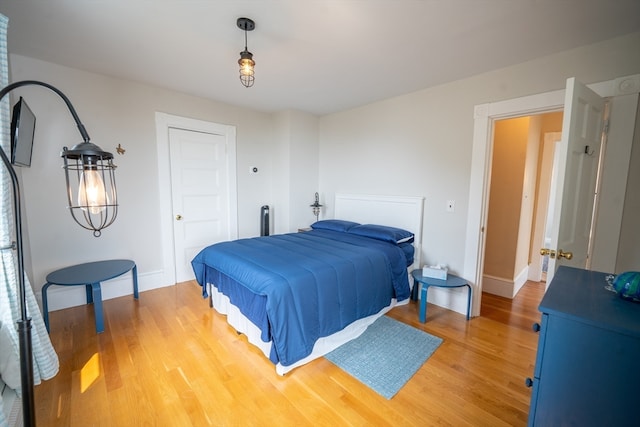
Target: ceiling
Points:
(311, 55)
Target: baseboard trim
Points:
(520, 280)
(497, 286)
(454, 299)
(507, 288)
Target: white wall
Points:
(303, 167)
(121, 112)
(420, 144)
(295, 170)
(281, 183)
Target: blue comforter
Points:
(311, 284)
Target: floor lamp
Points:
(92, 170)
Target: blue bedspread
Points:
(311, 284)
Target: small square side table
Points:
(452, 281)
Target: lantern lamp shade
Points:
(247, 67)
(91, 186)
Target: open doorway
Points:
(621, 128)
(520, 185)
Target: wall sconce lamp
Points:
(246, 62)
(92, 171)
(316, 206)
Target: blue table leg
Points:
(134, 273)
(469, 302)
(414, 290)
(423, 303)
(97, 306)
(89, 292)
(45, 305)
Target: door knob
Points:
(566, 255)
(178, 217)
(550, 252)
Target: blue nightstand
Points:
(451, 282)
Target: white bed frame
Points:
(395, 211)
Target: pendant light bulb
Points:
(91, 192)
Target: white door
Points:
(200, 194)
(579, 154)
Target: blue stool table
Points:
(451, 282)
(90, 275)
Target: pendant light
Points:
(246, 62)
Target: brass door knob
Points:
(550, 252)
(178, 217)
(566, 255)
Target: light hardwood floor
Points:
(170, 360)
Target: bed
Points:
(297, 296)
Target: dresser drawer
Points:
(585, 376)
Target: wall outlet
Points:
(451, 205)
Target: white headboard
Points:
(395, 211)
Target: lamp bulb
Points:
(91, 192)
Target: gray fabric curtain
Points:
(45, 359)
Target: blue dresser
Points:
(587, 369)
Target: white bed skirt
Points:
(324, 345)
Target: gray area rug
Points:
(386, 355)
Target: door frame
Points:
(544, 195)
(482, 149)
(164, 122)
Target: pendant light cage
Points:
(246, 62)
(91, 186)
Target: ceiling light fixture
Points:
(246, 62)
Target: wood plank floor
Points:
(170, 360)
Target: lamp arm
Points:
(24, 324)
(12, 86)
